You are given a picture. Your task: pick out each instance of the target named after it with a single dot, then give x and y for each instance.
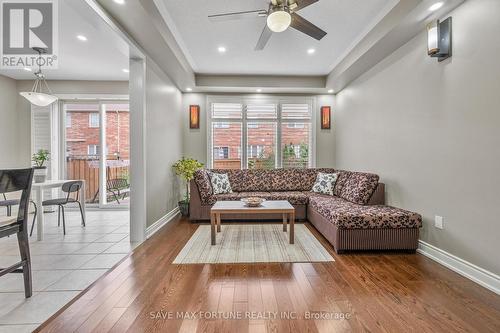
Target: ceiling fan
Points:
(281, 14)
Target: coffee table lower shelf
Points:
(282, 207)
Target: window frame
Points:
(95, 148)
(225, 150)
(244, 100)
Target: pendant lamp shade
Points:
(39, 99)
(36, 96)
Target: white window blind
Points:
(295, 111)
(262, 111)
(227, 110)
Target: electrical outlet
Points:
(439, 222)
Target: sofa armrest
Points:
(378, 196)
(194, 201)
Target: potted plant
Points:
(185, 168)
(39, 159)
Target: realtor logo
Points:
(27, 24)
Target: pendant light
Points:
(36, 96)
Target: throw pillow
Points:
(220, 183)
(325, 183)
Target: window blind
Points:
(262, 111)
(227, 110)
(295, 111)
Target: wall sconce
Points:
(325, 117)
(194, 116)
(439, 39)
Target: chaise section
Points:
(350, 226)
(347, 215)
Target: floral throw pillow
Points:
(325, 183)
(220, 183)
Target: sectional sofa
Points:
(354, 218)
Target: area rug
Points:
(252, 243)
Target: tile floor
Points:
(63, 265)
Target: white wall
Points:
(9, 124)
(163, 144)
(431, 130)
(195, 140)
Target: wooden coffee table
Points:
(238, 207)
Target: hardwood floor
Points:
(377, 292)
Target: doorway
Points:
(97, 149)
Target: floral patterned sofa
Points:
(355, 218)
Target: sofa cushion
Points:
(233, 196)
(348, 215)
(235, 178)
(257, 180)
(220, 183)
(202, 181)
(293, 197)
(325, 183)
(293, 179)
(341, 180)
(260, 194)
(359, 187)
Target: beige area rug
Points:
(252, 243)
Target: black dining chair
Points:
(70, 187)
(13, 181)
(8, 204)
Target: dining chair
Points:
(8, 204)
(13, 181)
(70, 187)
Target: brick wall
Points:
(264, 135)
(80, 135)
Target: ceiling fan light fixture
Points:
(279, 21)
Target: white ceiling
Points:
(101, 57)
(345, 21)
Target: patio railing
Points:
(87, 168)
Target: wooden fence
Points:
(88, 169)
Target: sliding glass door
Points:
(97, 146)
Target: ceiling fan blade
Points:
(237, 15)
(303, 25)
(302, 4)
(264, 38)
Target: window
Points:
(221, 153)
(271, 134)
(254, 151)
(93, 150)
(295, 145)
(93, 119)
(226, 143)
(261, 146)
(68, 120)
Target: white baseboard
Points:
(152, 229)
(477, 274)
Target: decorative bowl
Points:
(253, 201)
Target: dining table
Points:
(39, 188)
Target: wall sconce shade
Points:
(325, 117)
(439, 39)
(432, 38)
(194, 116)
